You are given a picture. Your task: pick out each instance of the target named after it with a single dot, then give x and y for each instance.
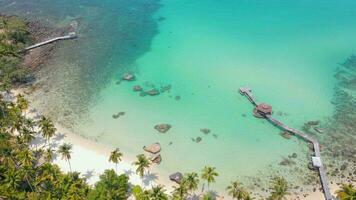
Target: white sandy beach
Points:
(91, 159)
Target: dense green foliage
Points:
(347, 192)
(13, 37)
(279, 189)
(110, 186)
(26, 173)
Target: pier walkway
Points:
(316, 159)
(71, 35)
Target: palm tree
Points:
(236, 191)
(47, 128)
(48, 155)
(142, 164)
(346, 192)
(158, 193)
(12, 178)
(209, 174)
(180, 192)
(65, 151)
(115, 157)
(27, 157)
(22, 103)
(191, 181)
(279, 189)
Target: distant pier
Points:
(264, 110)
(71, 35)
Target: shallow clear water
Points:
(286, 51)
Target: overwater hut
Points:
(262, 109)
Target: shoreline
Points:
(90, 158)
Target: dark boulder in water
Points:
(137, 88)
(176, 177)
(128, 77)
(117, 115)
(286, 135)
(205, 130)
(166, 88)
(177, 97)
(198, 139)
(163, 128)
(143, 94)
(153, 92)
(313, 123)
(287, 162)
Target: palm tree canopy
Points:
(47, 127)
(236, 191)
(115, 156)
(158, 193)
(279, 188)
(141, 163)
(22, 103)
(65, 151)
(191, 181)
(180, 192)
(209, 174)
(346, 192)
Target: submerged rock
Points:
(166, 88)
(153, 148)
(294, 155)
(143, 94)
(319, 130)
(137, 88)
(176, 177)
(117, 115)
(163, 128)
(177, 97)
(198, 139)
(205, 130)
(128, 77)
(152, 92)
(313, 123)
(287, 162)
(286, 135)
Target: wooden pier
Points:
(316, 159)
(71, 35)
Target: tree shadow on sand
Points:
(88, 174)
(129, 172)
(149, 178)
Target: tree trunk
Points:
(70, 167)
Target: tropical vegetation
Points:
(346, 192)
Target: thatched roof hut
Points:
(262, 109)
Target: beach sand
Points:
(91, 159)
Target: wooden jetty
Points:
(71, 35)
(316, 159)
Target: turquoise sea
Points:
(287, 51)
